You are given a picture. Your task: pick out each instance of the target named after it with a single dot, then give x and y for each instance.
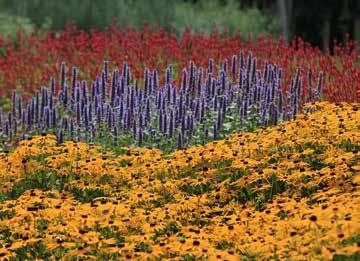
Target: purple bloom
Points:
(14, 103)
(74, 79)
(320, 85)
(241, 60)
(183, 80)
(47, 117)
(211, 66)
(224, 68)
(233, 65)
(63, 75)
(53, 85)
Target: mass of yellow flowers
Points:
(289, 192)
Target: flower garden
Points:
(143, 145)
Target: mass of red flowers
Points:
(30, 62)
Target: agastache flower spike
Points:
(134, 128)
(77, 93)
(171, 124)
(15, 127)
(200, 75)
(84, 91)
(192, 76)
(106, 68)
(223, 80)
(225, 66)
(53, 86)
(23, 119)
(86, 117)
(63, 75)
(78, 113)
(167, 76)
(14, 103)
(93, 91)
(155, 79)
(211, 65)
(233, 65)
(65, 96)
(146, 83)
(54, 118)
(28, 114)
(128, 76)
(47, 117)
(124, 70)
(183, 81)
(74, 79)
(19, 107)
(10, 119)
(103, 86)
(241, 60)
(6, 129)
(320, 85)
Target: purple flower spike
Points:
(320, 85)
(241, 60)
(233, 65)
(63, 75)
(183, 81)
(106, 68)
(53, 86)
(225, 65)
(74, 79)
(47, 117)
(211, 66)
(14, 103)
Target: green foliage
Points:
(228, 16)
(108, 232)
(353, 257)
(170, 229)
(7, 214)
(197, 189)
(42, 224)
(32, 251)
(188, 257)
(97, 14)
(348, 146)
(87, 195)
(40, 180)
(143, 247)
(9, 24)
(351, 240)
(224, 245)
